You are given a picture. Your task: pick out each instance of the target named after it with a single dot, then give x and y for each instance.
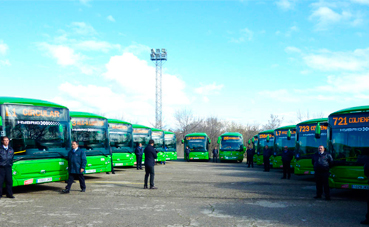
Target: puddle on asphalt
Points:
(264, 203)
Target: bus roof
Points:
(156, 130)
(352, 110)
(116, 121)
(33, 102)
(232, 134)
(167, 132)
(267, 132)
(286, 127)
(256, 135)
(139, 126)
(85, 114)
(313, 121)
(197, 134)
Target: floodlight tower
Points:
(158, 57)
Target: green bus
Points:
(121, 142)
(255, 146)
(307, 144)
(198, 143)
(91, 132)
(231, 147)
(264, 138)
(348, 142)
(283, 136)
(39, 132)
(158, 136)
(170, 142)
(141, 134)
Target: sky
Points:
(238, 60)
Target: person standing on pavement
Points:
(187, 154)
(287, 156)
(250, 156)
(76, 166)
(150, 156)
(215, 154)
(321, 162)
(165, 151)
(6, 162)
(266, 155)
(139, 153)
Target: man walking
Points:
(6, 162)
(139, 153)
(287, 157)
(266, 155)
(321, 162)
(187, 154)
(150, 156)
(250, 156)
(215, 154)
(76, 166)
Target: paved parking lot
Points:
(189, 194)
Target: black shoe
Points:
(113, 172)
(83, 190)
(317, 197)
(10, 196)
(145, 187)
(365, 222)
(141, 169)
(65, 191)
(283, 178)
(328, 198)
(153, 187)
(107, 172)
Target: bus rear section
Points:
(121, 143)
(307, 144)
(170, 142)
(265, 138)
(231, 147)
(91, 133)
(283, 136)
(198, 144)
(39, 133)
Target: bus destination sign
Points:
(87, 122)
(35, 113)
(350, 120)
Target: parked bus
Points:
(231, 147)
(198, 143)
(141, 134)
(255, 146)
(348, 142)
(283, 136)
(121, 143)
(307, 144)
(91, 132)
(39, 132)
(158, 136)
(170, 146)
(264, 138)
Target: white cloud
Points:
(82, 28)
(209, 89)
(353, 84)
(292, 49)
(3, 47)
(364, 2)
(5, 62)
(245, 35)
(85, 2)
(137, 49)
(63, 54)
(92, 45)
(286, 4)
(110, 18)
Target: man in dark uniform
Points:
(150, 156)
(76, 166)
(6, 162)
(187, 154)
(266, 155)
(287, 157)
(321, 162)
(215, 154)
(250, 156)
(139, 153)
(366, 172)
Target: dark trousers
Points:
(73, 176)
(367, 206)
(149, 170)
(6, 175)
(321, 180)
(287, 169)
(266, 164)
(250, 161)
(215, 158)
(139, 161)
(187, 157)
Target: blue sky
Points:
(238, 60)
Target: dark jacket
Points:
(267, 153)
(322, 162)
(215, 151)
(139, 151)
(76, 161)
(187, 150)
(287, 156)
(150, 155)
(6, 156)
(250, 152)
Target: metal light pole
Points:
(158, 57)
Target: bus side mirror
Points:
(1, 121)
(253, 140)
(209, 141)
(182, 141)
(249, 142)
(243, 148)
(317, 131)
(219, 140)
(268, 138)
(71, 125)
(289, 134)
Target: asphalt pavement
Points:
(188, 194)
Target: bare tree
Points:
(300, 116)
(273, 123)
(213, 127)
(186, 122)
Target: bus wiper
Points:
(99, 152)
(18, 159)
(53, 152)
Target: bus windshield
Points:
(231, 143)
(170, 141)
(281, 141)
(120, 138)
(196, 143)
(307, 144)
(262, 142)
(141, 135)
(158, 138)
